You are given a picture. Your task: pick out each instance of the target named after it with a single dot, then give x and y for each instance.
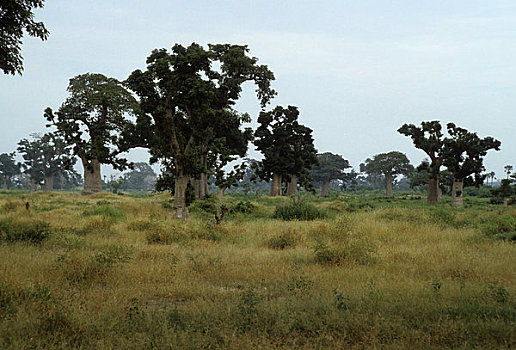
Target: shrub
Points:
(284, 240)
(298, 210)
(28, 231)
(353, 250)
(498, 224)
(244, 207)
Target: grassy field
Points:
(110, 271)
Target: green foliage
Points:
(17, 18)
(98, 106)
(330, 167)
(464, 151)
(298, 210)
(493, 225)
(187, 106)
(8, 169)
(244, 207)
(25, 231)
(286, 145)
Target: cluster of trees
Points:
(46, 159)
(462, 153)
(181, 108)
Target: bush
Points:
(30, 231)
(353, 250)
(244, 207)
(498, 224)
(298, 210)
(282, 241)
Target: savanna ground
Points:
(109, 271)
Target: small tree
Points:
(331, 167)
(287, 147)
(463, 155)
(8, 168)
(92, 119)
(390, 165)
(16, 16)
(428, 138)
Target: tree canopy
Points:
(287, 147)
(330, 167)
(390, 165)
(463, 155)
(428, 138)
(94, 119)
(45, 157)
(8, 168)
(17, 16)
(185, 95)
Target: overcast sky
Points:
(357, 70)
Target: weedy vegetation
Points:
(109, 271)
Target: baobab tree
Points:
(93, 119)
(463, 155)
(184, 96)
(428, 138)
(287, 147)
(390, 165)
(331, 167)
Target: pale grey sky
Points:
(357, 70)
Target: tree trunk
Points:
(324, 188)
(388, 184)
(48, 184)
(457, 188)
(204, 178)
(220, 194)
(92, 177)
(61, 181)
(433, 191)
(201, 186)
(276, 185)
(5, 185)
(33, 185)
(180, 208)
(292, 186)
(505, 201)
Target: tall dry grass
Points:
(119, 272)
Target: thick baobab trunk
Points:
(220, 193)
(388, 184)
(180, 208)
(276, 185)
(324, 188)
(292, 186)
(92, 179)
(48, 184)
(433, 191)
(456, 193)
